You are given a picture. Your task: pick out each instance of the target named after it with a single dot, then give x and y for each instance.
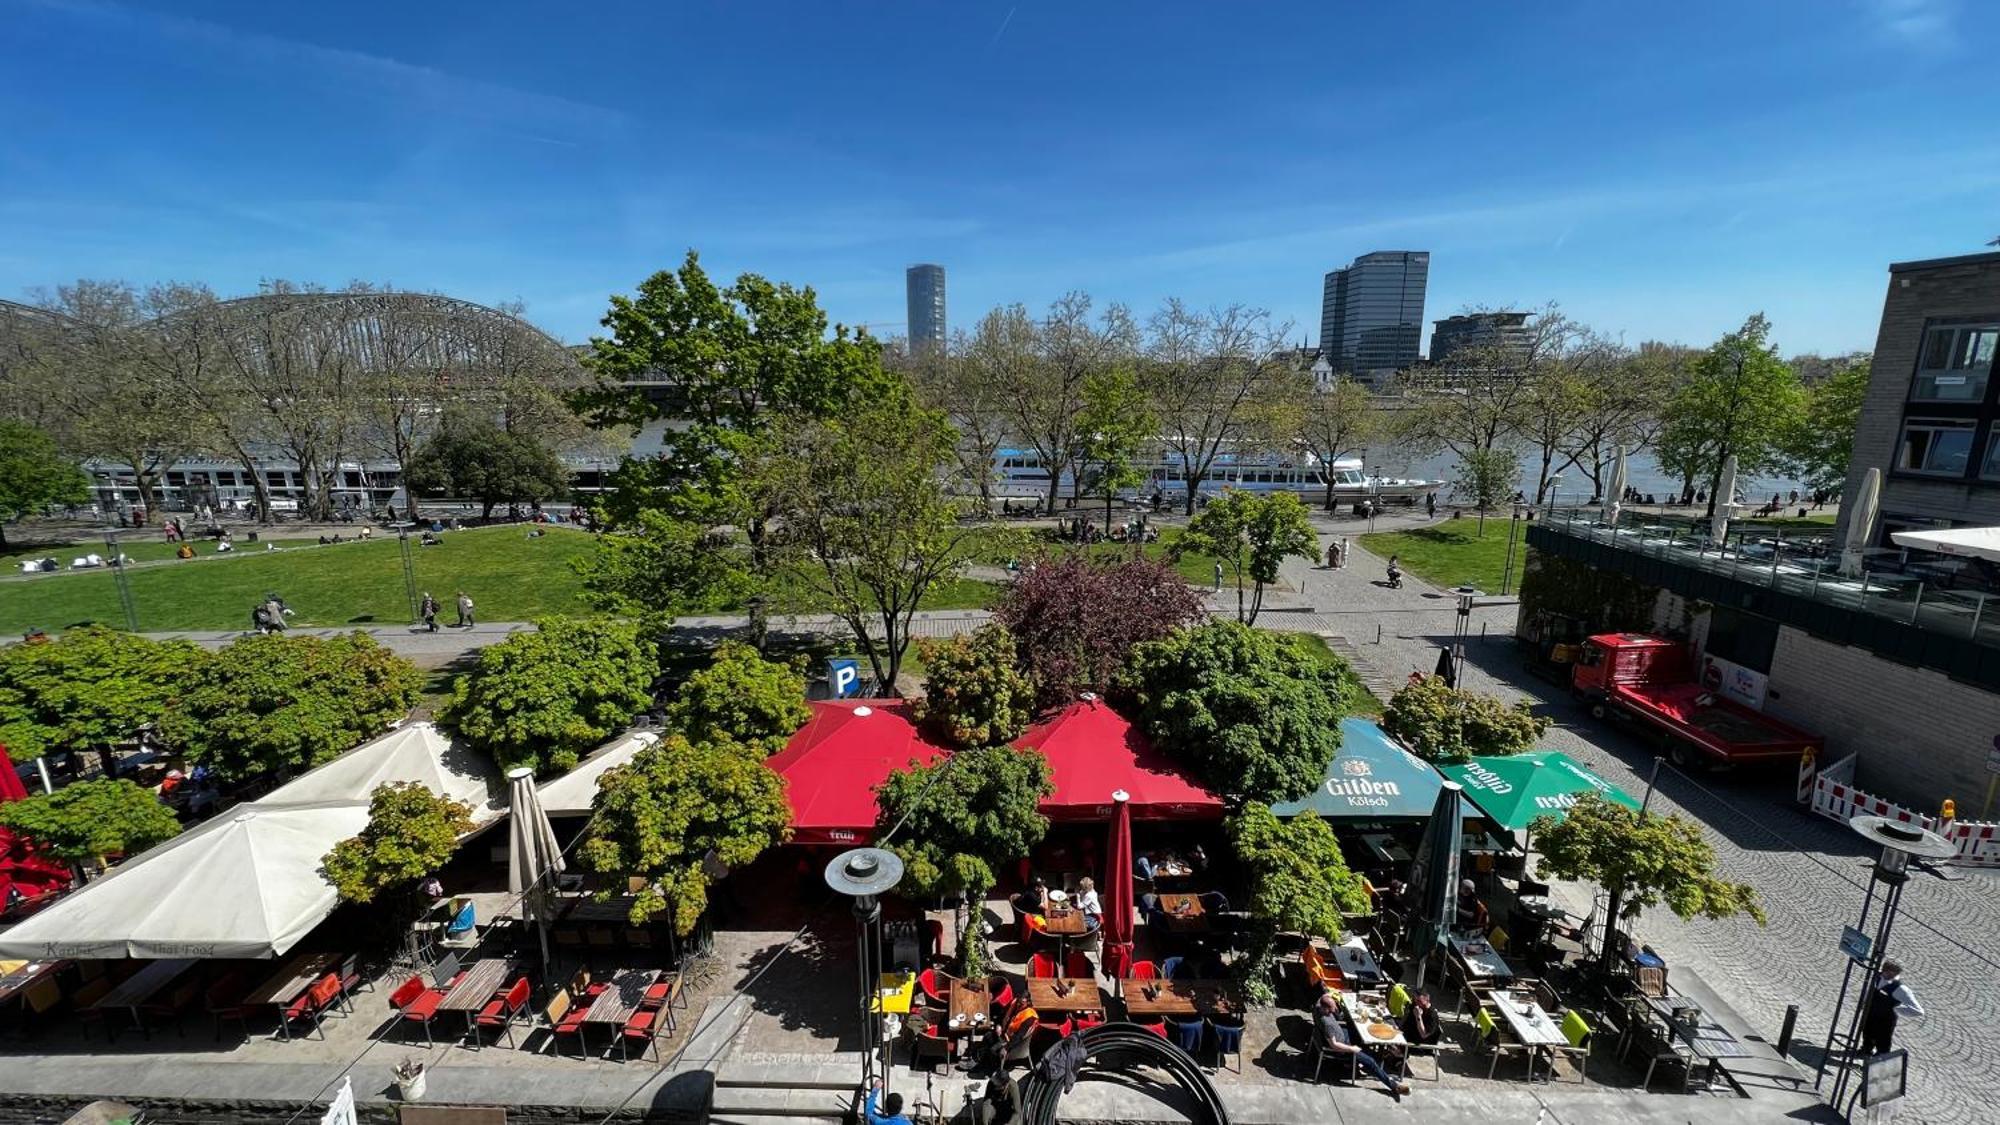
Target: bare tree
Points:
(1044, 382)
(1208, 376)
(966, 380)
(1330, 422)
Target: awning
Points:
(1371, 778)
(572, 793)
(1094, 751)
(1967, 542)
(247, 883)
(834, 763)
(1515, 790)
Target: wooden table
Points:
(1185, 912)
(1081, 997)
(971, 1009)
(292, 979)
(588, 911)
(1180, 998)
(1707, 1039)
(132, 993)
(1356, 961)
(1067, 922)
(1479, 960)
(18, 980)
(618, 1003)
(1531, 1025)
(1364, 1014)
(486, 977)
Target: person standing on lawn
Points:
(464, 610)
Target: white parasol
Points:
(1861, 523)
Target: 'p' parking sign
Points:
(843, 676)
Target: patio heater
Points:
(862, 874)
(1900, 842)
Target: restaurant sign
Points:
(1476, 776)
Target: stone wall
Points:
(1918, 736)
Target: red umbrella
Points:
(11, 788)
(1118, 875)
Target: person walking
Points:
(1218, 576)
(1342, 564)
(1430, 505)
(464, 610)
(1889, 1000)
(429, 612)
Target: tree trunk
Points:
(148, 485)
(1055, 489)
(1256, 604)
(760, 560)
(1329, 490)
(1107, 513)
(1193, 490)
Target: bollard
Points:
(1378, 632)
(1785, 1032)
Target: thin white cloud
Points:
(1926, 23)
(431, 89)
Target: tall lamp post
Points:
(862, 874)
(113, 559)
(1900, 842)
(1513, 531)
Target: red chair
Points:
(224, 1001)
(661, 995)
(644, 1025)
(930, 1043)
(1033, 926)
(1159, 1029)
(416, 1004)
(935, 986)
(1144, 970)
(324, 993)
(1078, 965)
(1002, 991)
(500, 1012)
(1084, 1023)
(1043, 966)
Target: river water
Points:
(1641, 472)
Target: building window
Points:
(1937, 446)
(1956, 361)
(1991, 468)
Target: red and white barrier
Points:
(1834, 795)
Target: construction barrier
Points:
(1833, 795)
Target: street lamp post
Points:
(111, 559)
(1900, 842)
(1555, 482)
(1513, 529)
(862, 874)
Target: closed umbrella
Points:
(1118, 878)
(533, 859)
(1725, 503)
(1614, 496)
(1861, 523)
(1434, 877)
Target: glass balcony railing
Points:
(1946, 594)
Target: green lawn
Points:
(510, 577)
(1196, 569)
(1314, 645)
(1452, 553)
(141, 545)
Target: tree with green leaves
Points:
(1640, 860)
(1043, 366)
(1740, 399)
(1253, 715)
(89, 820)
(1821, 441)
(678, 816)
(1252, 535)
(965, 381)
(1211, 377)
(471, 456)
(742, 697)
(975, 692)
(1299, 883)
(1485, 479)
(34, 474)
(1114, 429)
(870, 526)
(90, 689)
(653, 568)
(956, 823)
(546, 698)
(738, 362)
(1441, 723)
(282, 704)
(1331, 422)
(411, 832)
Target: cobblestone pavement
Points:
(1809, 871)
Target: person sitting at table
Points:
(1420, 1021)
(1471, 915)
(1086, 901)
(1197, 862)
(1142, 869)
(1034, 900)
(884, 1111)
(1336, 1039)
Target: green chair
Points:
(1399, 1000)
(1577, 1030)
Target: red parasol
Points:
(1118, 875)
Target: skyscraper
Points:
(924, 286)
(1372, 312)
(1500, 334)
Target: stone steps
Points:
(783, 1093)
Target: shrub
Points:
(543, 699)
(974, 692)
(1440, 723)
(411, 832)
(89, 689)
(742, 697)
(1075, 621)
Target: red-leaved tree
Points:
(1075, 620)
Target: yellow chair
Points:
(1498, 939)
(1399, 1000)
(1577, 1030)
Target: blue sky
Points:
(1659, 170)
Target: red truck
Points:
(1652, 679)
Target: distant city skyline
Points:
(1801, 147)
(1372, 311)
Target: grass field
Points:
(143, 545)
(1365, 703)
(1452, 553)
(1196, 569)
(510, 577)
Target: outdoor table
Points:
(18, 980)
(894, 993)
(1707, 1040)
(1179, 998)
(486, 977)
(1367, 1014)
(132, 993)
(1385, 848)
(292, 979)
(1081, 997)
(1184, 912)
(1480, 962)
(1065, 923)
(971, 1009)
(588, 911)
(1531, 1025)
(1356, 961)
(616, 1004)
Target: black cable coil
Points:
(1128, 1043)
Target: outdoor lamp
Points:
(863, 874)
(1899, 842)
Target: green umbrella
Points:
(1515, 790)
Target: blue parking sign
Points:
(843, 676)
